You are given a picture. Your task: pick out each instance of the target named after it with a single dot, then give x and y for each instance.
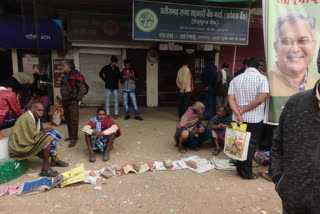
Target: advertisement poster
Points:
(159, 21)
(58, 71)
(292, 43)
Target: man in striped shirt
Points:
(246, 96)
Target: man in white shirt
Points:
(100, 133)
(246, 96)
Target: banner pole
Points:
(234, 59)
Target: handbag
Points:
(237, 141)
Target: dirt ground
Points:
(179, 191)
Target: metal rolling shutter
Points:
(90, 66)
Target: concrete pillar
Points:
(216, 59)
(14, 60)
(76, 58)
(152, 84)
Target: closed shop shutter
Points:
(90, 66)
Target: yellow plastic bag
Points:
(74, 175)
(242, 127)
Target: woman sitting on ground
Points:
(218, 124)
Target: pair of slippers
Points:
(51, 173)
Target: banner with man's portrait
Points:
(292, 37)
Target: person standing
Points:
(73, 88)
(208, 76)
(128, 87)
(111, 75)
(243, 68)
(295, 153)
(246, 96)
(261, 66)
(295, 46)
(184, 82)
(221, 86)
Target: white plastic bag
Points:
(237, 142)
(56, 118)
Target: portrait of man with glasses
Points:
(295, 47)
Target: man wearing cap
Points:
(73, 88)
(128, 87)
(110, 74)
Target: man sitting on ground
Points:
(218, 124)
(190, 130)
(100, 133)
(9, 108)
(28, 139)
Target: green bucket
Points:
(11, 169)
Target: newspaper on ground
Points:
(203, 165)
(179, 164)
(159, 166)
(74, 175)
(222, 164)
(34, 187)
(92, 176)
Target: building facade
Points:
(92, 31)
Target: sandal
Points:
(105, 157)
(216, 151)
(253, 176)
(181, 149)
(60, 163)
(72, 143)
(265, 176)
(92, 158)
(196, 148)
(49, 173)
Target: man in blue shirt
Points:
(208, 75)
